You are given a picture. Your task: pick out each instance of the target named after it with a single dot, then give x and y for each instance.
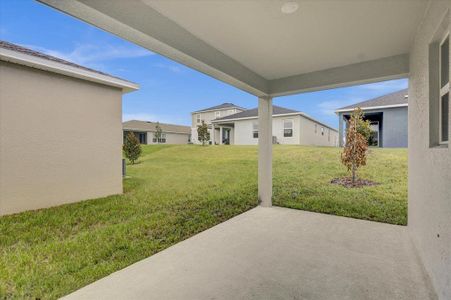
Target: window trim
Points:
(442, 90)
(254, 131)
(286, 128)
(217, 114)
(199, 118)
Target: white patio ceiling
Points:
(252, 45)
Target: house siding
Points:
(56, 131)
(429, 219)
(207, 117)
(394, 131)
(395, 127)
(303, 132)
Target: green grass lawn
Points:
(173, 193)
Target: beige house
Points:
(288, 127)
(170, 133)
(61, 132)
(275, 48)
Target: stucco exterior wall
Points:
(394, 130)
(429, 219)
(171, 138)
(310, 136)
(303, 132)
(395, 127)
(60, 139)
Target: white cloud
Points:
(91, 54)
(391, 85)
(328, 107)
(172, 119)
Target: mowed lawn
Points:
(173, 193)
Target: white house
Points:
(145, 132)
(206, 115)
(288, 127)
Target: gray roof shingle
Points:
(396, 98)
(23, 50)
(220, 106)
(150, 126)
(276, 110)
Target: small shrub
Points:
(202, 133)
(132, 147)
(355, 150)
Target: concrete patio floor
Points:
(277, 253)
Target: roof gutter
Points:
(371, 107)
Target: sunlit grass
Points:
(173, 193)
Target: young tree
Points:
(132, 147)
(158, 133)
(357, 134)
(202, 133)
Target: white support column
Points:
(220, 135)
(265, 151)
(212, 136)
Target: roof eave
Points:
(71, 71)
(371, 107)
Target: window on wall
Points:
(255, 130)
(444, 91)
(198, 118)
(287, 128)
(161, 140)
(217, 114)
(142, 136)
(322, 130)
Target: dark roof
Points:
(151, 126)
(20, 49)
(276, 110)
(220, 106)
(395, 98)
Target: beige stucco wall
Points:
(429, 219)
(310, 136)
(171, 138)
(60, 139)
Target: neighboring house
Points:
(209, 114)
(145, 132)
(60, 129)
(388, 118)
(288, 127)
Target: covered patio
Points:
(274, 48)
(277, 253)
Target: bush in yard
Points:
(132, 147)
(202, 133)
(158, 133)
(355, 150)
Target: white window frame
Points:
(322, 130)
(443, 90)
(292, 127)
(217, 114)
(198, 118)
(255, 129)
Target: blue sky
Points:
(168, 91)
